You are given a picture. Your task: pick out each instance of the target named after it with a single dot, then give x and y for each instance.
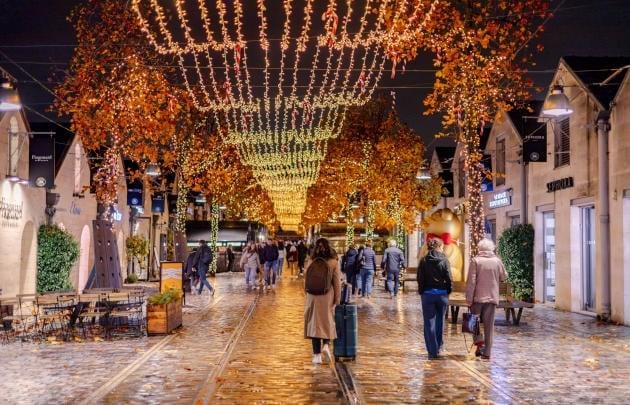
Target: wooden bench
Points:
(410, 276)
(513, 308)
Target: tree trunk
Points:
(214, 235)
(475, 175)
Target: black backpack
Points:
(318, 277)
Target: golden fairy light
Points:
(330, 55)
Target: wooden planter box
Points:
(162, 319)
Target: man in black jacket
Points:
(434, 284)
(270, 263)
(349, 267)
(302, 251)
(203, 258)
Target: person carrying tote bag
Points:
(485, 275)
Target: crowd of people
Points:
(434, 278)
(262, 264)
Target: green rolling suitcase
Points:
(345, 346)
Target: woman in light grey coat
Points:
(250, 262)
(485, 273)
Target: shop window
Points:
(515, 220)
(500, 157)
(562, 143)
(461, 179)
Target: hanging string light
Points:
(281, 126)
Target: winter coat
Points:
(270, 253)
(292, 254)
(319, 310)
(349, 261)
(485, 273)
(393, 259)
(188, 267)
(250, 260)
(434, 271)
(302, 251)
(369, 259)
(203, 258)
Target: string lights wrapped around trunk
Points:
(316, 62)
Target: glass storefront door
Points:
(549, 252)
(587, 226)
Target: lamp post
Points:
(603, 200)
(9, 97)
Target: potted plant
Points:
(164, 312)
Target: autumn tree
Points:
(118, 100)
(481, 50)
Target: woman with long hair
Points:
(319, 309)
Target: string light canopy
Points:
(315, 62)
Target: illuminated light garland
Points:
(281, 134)
(214, 235)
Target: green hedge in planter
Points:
(57, 252)
(516, 248)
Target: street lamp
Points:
(9, 97)
(557, 104)
(423, 174)
(152, 170)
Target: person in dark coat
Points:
(203, 258)
(434, 285)
(302, 252)
(270, 263)
(190, 275)
(229, 255)
(393, 262)
(349, 267)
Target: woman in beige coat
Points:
(485, 273)
(319, 310)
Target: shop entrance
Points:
(549, 252)
(587, 228)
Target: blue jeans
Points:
(250, 276)
(279, 265)
(204, 281)
(392, 282)
(364, 280)
(433, 309)
(270, 272)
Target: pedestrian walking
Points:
(250, 263)
(270, 263)
(486, 272)
(229, 255)
(349, 267)
(323, 293)
(434, 285)
(393, 262)
(203, 258)
(281, 254)
(292, 260)
(191, 277)
(302, 253)
(367, 262)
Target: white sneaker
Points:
(317, 359)
(326, 352)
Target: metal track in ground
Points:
(349, 387)
(116, 380)
(209, 387)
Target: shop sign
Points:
(41, 166)
(501, 199)
(10, 211)
(535, 146)
(157, 204)
(134, 194)
(561, 184)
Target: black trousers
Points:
(317, 344)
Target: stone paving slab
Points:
(555, 357)
(272, 363)
(44, 373)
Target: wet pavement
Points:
(248, 347)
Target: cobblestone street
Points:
(248, 347)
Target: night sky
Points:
(36, 35)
